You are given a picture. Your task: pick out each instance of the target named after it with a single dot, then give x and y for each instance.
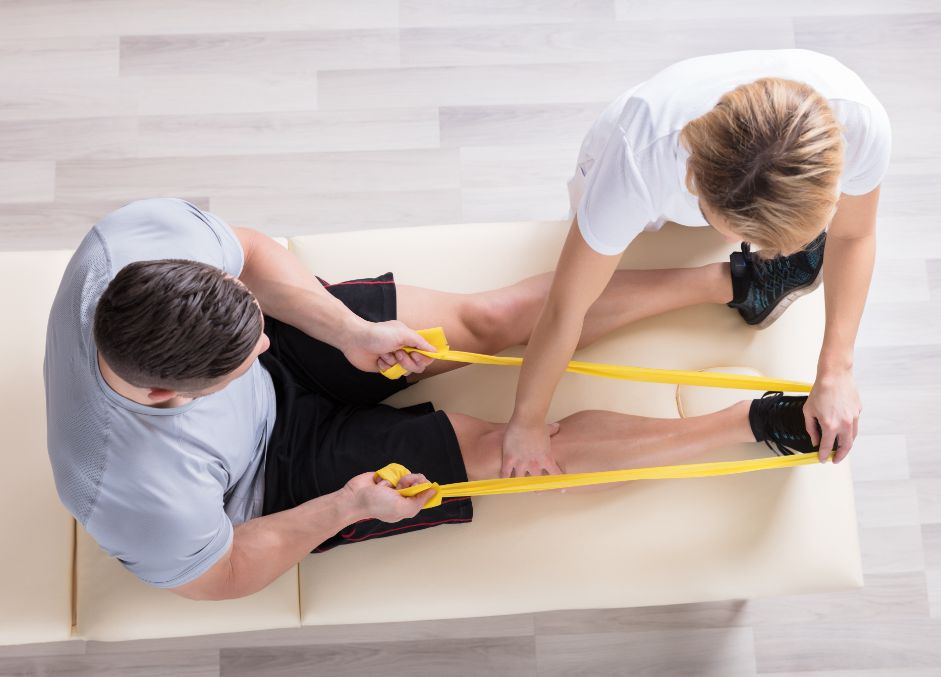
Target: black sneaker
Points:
(778, 420)
(762, 289)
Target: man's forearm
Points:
(289, 292)
(266, 547)
(847, 273)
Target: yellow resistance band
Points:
(515, 485)
(443, 351)
(518, 485)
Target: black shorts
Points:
(330, 425)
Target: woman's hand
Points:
(834, 404)
(528, 451)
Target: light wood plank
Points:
(57, 57)
(328, 212)
(27, 181)
(657, 43)
(269, 133)
(516, 125)
(887, 503)
(480, 85)
(207, 94)
(501, 12)
(56, 97)
(704, 616)
(891, 550)
(368, 633)
(667, 9)
(931, 535)
(503, 656)
(885, 598)
(262, 176)
(879, 457)
(934, 592)
(43, 18)
(31, 140)
(848, 646)
(203, 663)
(525, 203)
(924, 453)
(512, 166)
(724, 652)
(298, 52)
(899, 278)
(929, 499)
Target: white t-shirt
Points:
(631, 172)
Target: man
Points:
(212, 407)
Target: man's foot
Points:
(778, 420)
(762, 289)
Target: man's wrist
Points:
(349, 333)
(349, 507)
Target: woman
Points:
(781, 149)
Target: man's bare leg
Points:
(491, 321)
(591, 441)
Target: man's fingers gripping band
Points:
(394, 472)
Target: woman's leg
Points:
(590, 441)
(491, 321)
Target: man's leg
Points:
(591, 441)
(491, 321)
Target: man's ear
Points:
(157, 395)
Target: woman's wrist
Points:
(834, 365)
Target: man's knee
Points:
(494, 320)
(481, 444)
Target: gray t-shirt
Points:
(159, 489)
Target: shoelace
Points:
(781, 427)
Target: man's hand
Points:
(374, 346)
(380, 501)
(527, 451)
(834, 404)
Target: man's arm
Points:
(289, 292)
(264, 548)
(847, 272)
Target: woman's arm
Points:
(847, 272)
(580, 278)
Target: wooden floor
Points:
(308, 116)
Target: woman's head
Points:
(767, 160)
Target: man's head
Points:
(178, 326)
(765, 163)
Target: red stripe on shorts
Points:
(374, 534)
(340, 284)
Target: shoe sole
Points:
(785, 303)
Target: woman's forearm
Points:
(579, 280)
(847, 273)
(550, 348)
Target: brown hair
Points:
(768, 158)
(174, 324)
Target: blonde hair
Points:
(768, 158)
